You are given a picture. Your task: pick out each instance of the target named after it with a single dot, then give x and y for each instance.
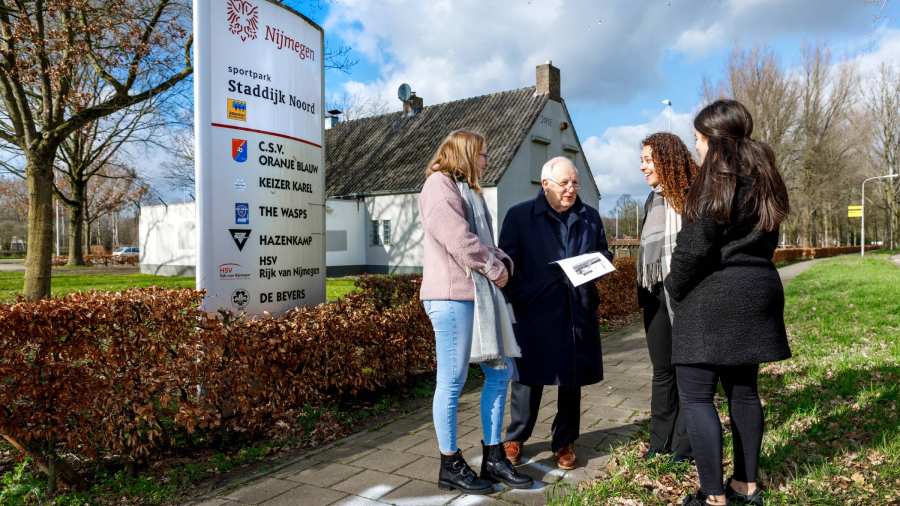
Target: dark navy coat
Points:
(556, 323)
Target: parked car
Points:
(126, 251)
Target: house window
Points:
(335, 240)
(539, 147)
(386, 232)
(376, 240)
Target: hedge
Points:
(129, 374)
(796, 254)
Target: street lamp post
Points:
(862, 226)
(668, 104)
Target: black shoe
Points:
(651, 453)
(677, 459)
(495, 467)
(455, 474)
(735, 497)
(697, 499)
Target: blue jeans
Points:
(452, 322)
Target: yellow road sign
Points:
(854, 214)
(854, 208)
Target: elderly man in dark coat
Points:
(556, 322)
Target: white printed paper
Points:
(584, 268)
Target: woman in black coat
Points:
(728, 298)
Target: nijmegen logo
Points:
(239, 150)
(240, 236)
(241, 213)
(232, 271)
(243, 19)
(240, 298)
(237, 109)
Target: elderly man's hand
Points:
(502, 279)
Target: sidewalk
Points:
(398, 463)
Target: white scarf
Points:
(493, 339)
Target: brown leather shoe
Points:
(513, 450)
(565, 457)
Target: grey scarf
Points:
(492, 335)
(657, 243)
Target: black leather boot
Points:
(735, 497)
(455, 474)
(495, 467)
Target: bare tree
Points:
(93, 149)
(139, 48)
(825, 141)
(882, 100)
(356, 106)
(114, 189)
(179, 169)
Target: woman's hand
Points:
(502, 279)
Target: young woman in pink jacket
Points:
(462, 274)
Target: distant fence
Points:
(625, 247)
(629, 248)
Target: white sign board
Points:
(259, 158)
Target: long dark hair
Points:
(727, 125)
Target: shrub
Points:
(796, 254)
(131, 374)
(128, 373)
(618, 290)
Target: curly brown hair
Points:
(674, 165)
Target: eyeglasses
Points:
(566, 184)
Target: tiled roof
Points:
(388, 153)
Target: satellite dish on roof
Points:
(404, 92)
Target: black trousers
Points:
(668, 432)
(525, 400)
(697, 387)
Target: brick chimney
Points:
(547, 81)
(413, 106)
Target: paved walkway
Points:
(398, 463)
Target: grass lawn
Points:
(66, 280)
(832, 423)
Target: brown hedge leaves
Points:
(126, 373)
(130, 373)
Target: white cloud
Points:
(608, 52)
(614, 156)
(882, 47)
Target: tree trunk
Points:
(76, 226)
(39, 177)
(54, 466)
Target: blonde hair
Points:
(457, 157)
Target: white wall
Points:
(168, 239)
(518, 182)
(345, 233)
(404, 253)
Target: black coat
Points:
(556, 323)
(646, 297)
(729, 302)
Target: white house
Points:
(375, 168)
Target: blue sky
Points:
(618, 58)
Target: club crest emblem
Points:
(243, 19)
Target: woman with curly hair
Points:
(669, 169)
